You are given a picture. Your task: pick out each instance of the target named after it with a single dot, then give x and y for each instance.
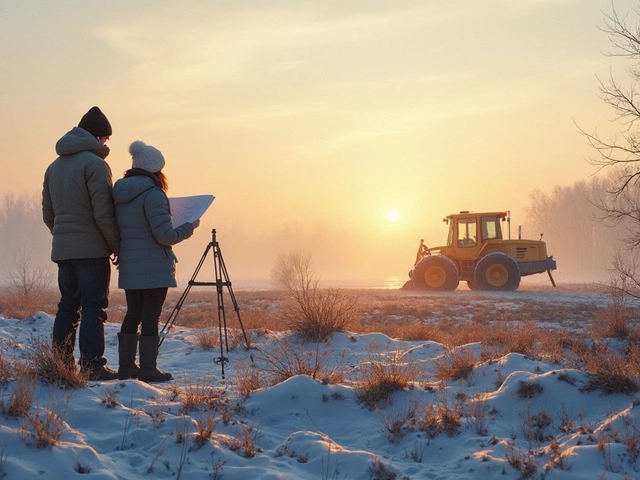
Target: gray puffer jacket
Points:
(76, 199)
(146, 258)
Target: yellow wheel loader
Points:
(477, 253)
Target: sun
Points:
(393, 216)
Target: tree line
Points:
(579, 235)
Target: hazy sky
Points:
(311, 120)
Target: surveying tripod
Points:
(222, 280)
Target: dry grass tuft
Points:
(5, 369)
(381, 471)
(207, 338)
(384, 374)
(458, 364)
(610, 372)
(204, 430)
(477, 415)
(21, 396)
(47, 424)
(12, 306)
(200, 394)
(260, 318)
(248, 379)
(613, 321)
(442, 417)
(393, 423)
(245, 442)
(523, 460)
(439, 419)
(47, 364)
(287, 359)
(514, 338)
(28, 286)
(529, 389)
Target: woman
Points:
(146, 261)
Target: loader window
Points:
(467, 232)
(491, 228)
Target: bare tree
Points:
(293, 271)
(622, 152)
(28, 280)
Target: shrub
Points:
(312, 313)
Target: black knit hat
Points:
(95, 123)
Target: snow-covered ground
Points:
(516, 412)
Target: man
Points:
(77, 206)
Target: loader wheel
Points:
(435, 272)
(497, 271)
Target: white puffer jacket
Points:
(146, 258)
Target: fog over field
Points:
(582, 245)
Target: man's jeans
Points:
(84, 289)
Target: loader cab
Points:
(468, 231)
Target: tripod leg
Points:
(176, 310)
(222, 332)
(236, 308)
(222, 319)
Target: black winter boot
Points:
(149, 371)
(127, 349)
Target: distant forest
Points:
(579, 236)
(23, 235)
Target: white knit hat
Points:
(146, 157)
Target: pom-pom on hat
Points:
(146, 157)
(96, 123)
